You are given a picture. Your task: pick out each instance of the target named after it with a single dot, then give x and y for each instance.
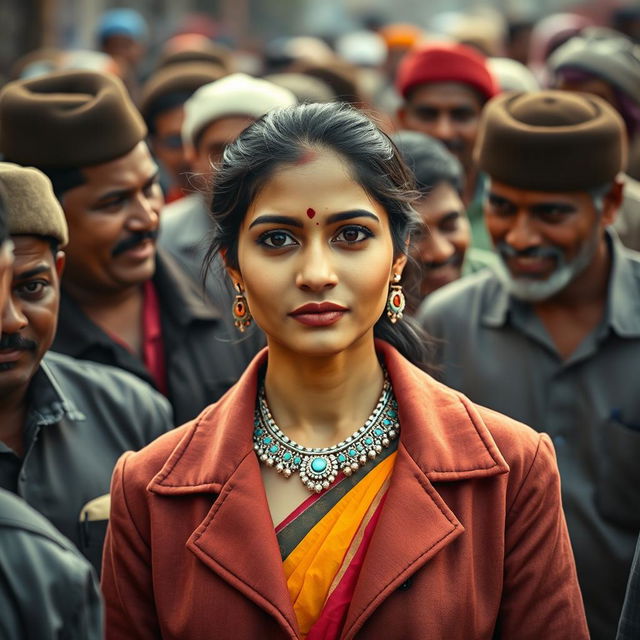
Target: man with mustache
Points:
(124, 303)
(552, 337)
(444, 88)
(63, 423)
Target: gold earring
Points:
(240, 310)
(395, 301)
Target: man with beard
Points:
(552, 337)
(63, 423)
(444, 88)
(124, 303)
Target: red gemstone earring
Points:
(240, 310)
(395, 301)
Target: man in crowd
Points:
(214, 116)
(123, 303)
(552, 337)
(162, 107)
(444, 88)
(440, 249)
(607, 64)
(63, 423)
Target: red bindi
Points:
(306, 156)
(310, 212)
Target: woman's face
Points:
(316, 257)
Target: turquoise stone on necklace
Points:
(318, 465)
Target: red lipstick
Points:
(319, 314)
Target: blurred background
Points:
(247, 25)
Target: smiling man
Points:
(63, 423)
(552, 338)
(124, 303)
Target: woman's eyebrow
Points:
(274, 219)
(348, 215)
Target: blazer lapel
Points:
(237, 541)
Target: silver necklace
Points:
(319, 467)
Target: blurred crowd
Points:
(119, 324)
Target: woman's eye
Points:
(353, 234)
(277, 239)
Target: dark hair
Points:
(64, 179)
(430, 161)
(162, 104)
(281, 138)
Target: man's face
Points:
(168, 147)
(6, 263)
(113, 224)
(214, 139)
(30, 313)
(440, 246)
(545, 240)
(448, 111)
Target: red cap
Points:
(444, 62)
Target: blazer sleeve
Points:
(541, 594)
(126, 566)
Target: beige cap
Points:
(31, 207)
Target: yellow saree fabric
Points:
(314, 568)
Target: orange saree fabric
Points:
(322, 569)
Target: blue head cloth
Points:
(122, 22)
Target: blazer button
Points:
(405, 585)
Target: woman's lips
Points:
(319, 319)
(319, 314)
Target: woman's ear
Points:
(399, 263)
(233, 273)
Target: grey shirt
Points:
(48, 590)
(81, 417)
(495, 350)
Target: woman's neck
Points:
(319, 401)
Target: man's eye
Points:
(34, 288)
(111, 205)
(501, 207)
(277, 239)
(353, 234)
(425, 114)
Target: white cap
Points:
(362, 48)
(237, 94)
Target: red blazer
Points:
(471, 543)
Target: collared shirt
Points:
(496, 350)
(202, 358)
(81, 417)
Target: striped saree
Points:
(323, 544)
